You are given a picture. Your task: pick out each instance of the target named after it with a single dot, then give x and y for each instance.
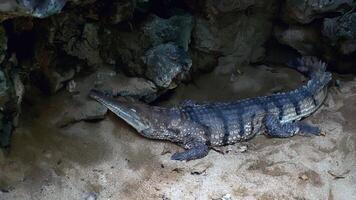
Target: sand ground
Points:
(108, 160)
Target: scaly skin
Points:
(197, 127)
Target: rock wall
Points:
(157, 44)
(322, 28)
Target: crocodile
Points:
(200, 127)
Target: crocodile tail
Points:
(315, 69)
(308, 65)
(319, 82)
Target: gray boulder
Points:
(343, 27)
(79, 107)
(341, 32)
(85, 45)
(121, 85)
(166, 64)
(74, 36)
(176, 29)
(305, 39)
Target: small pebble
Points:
(243, 149)
(304, 177)
(226, 197)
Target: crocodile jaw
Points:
(129, 115)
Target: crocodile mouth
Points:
(122, 110)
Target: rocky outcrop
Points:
(240, 37)
(176, 29)
(322, 28)
(11, 94)
(36, 8)
(235, 31)
(341, 32)
(305, 11)
(128, 49)
(94, 34)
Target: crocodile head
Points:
(150, 121)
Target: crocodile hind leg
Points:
(308, 130)
(195, 148)
(198, 151)
(276, 129)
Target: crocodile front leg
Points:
(196, 148)
(276, 129)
